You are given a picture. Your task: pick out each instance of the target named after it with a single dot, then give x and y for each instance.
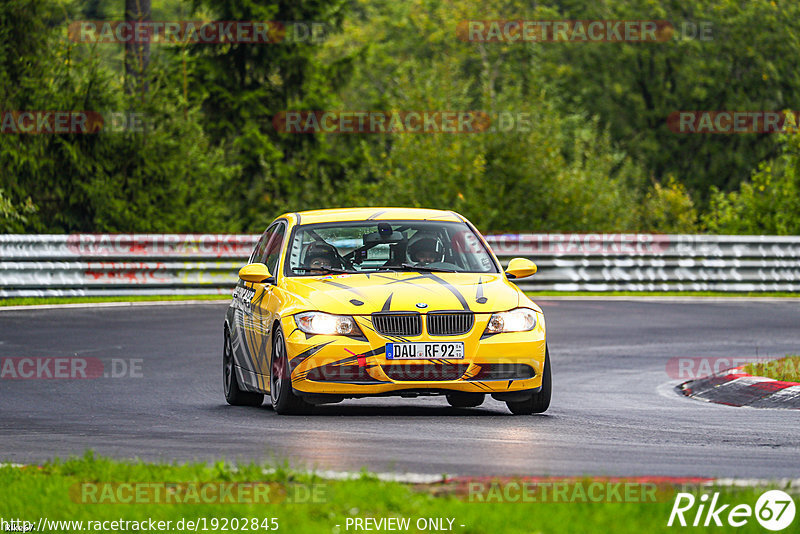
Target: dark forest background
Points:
(599, 156)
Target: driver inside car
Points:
(425, 251)
(320, 257)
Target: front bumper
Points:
(351, 367)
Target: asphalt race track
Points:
(614, 411)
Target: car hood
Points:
(362, 294)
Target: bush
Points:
(768, 204)
(669, 209)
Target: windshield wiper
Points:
(409, 267)
(324, 270)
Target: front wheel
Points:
(234, 394)
(539, 402)
(284, 401)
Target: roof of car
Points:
(374, 214)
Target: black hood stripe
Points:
(348, 288)
(405, 280)
(303, 356)
(452, 290)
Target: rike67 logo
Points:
(774, 510)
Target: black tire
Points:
(465, 400)
(230, 382)
(283, 399)
(539, 402)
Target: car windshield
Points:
(365, 246)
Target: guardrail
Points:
(151, 264)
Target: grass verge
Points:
(785, 369)
(38, 301)
(301, 502)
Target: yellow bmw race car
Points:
(349, 303)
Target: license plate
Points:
(424, 351)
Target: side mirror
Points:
(256, 273)
(520, 268)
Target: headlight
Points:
(519, 320)
(326, 324)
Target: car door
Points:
(263, 306)
(256, 310)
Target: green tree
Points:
(767, 204)
(242, 86)
(746, 61)
(557, 171)
(165, 177)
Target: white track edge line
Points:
(121, 304)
